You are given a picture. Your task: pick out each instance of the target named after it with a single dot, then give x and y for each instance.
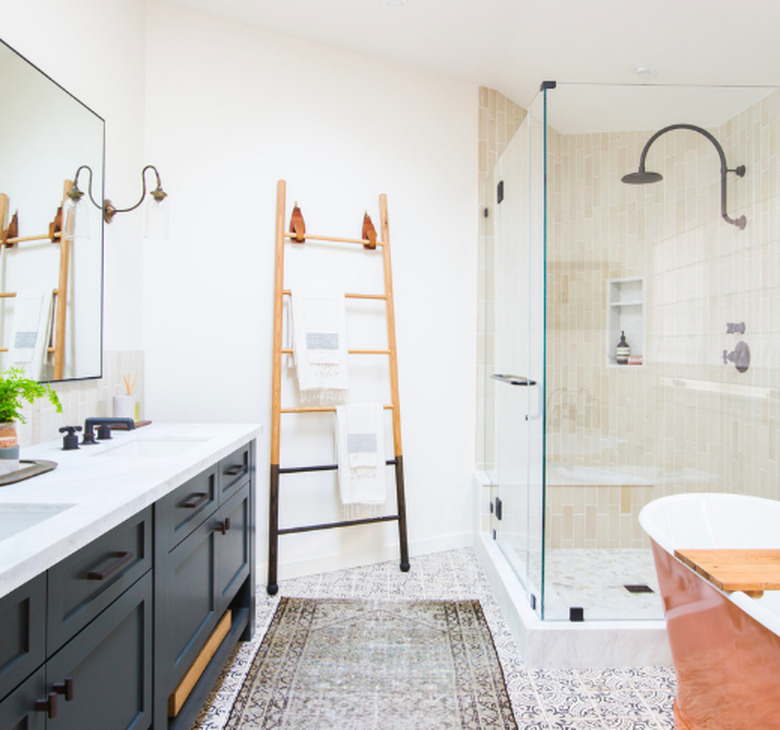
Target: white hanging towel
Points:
(31, 330)
(319, 346)
(361, 453)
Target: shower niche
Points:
(626, 315)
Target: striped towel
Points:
(361, 453)
(31, 332)
(319, 346)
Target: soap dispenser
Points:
(622, 351)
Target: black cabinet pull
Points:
(223, 525)
(49, 705)
(64, 688)
(122, 559)
(195, 500)
(235, 470)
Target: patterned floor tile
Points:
(639, 698)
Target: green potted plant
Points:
(15, 388)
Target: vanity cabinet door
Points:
(109, 665)
(185, 604)
(23, 626)
(233, 547)
(17, 710)
(85, 583)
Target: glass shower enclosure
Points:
(631, 329)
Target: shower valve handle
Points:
(740, 357)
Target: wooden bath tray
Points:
(751, 571)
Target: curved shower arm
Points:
(739, 170)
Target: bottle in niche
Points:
(622, 351)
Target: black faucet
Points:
(104, 428)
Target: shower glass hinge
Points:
(576, 613)
(494, 534)
(486, 212)
(500, 191)
(499, 508)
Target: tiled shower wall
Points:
(684, 421)
(82, 399)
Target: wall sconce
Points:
(156, 210)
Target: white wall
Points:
(229, 111)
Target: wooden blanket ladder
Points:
(277, 410)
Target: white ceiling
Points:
(513, 45)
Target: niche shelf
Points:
(626, 313)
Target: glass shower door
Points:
(518, 390)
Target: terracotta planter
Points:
(9, 448)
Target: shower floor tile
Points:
(596, 579)
(634, 699)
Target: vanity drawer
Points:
(23, 622)
(85, 583)
(181, 511)
(234, 471)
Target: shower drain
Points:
(638, 588)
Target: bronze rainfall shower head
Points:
(642, 177)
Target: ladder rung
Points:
(330, 525)
(11, 294)
(317, 409)
(332, 239)
(288, 351)
(322, 467)
(349, 295)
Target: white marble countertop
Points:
(99, 490)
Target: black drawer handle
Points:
(64, 688)
(122, 559)
(195, 500)
(235, 470)
(49, 705)
(223, 525)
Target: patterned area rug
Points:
(367, 664)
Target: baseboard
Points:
(355, 558)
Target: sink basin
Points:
(15, 518)
(145, 448)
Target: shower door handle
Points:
(513, 379)
(525, 381)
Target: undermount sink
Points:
(14, 518)
(158, 448)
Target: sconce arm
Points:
(108, 208)
(75, 192)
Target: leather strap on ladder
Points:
(277, 411)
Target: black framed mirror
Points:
(46, 133)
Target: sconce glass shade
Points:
(157, 217)
(75, 220)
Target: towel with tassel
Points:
(319, 346)
(361, 453)
(31, 332)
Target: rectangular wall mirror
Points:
(46, 134)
